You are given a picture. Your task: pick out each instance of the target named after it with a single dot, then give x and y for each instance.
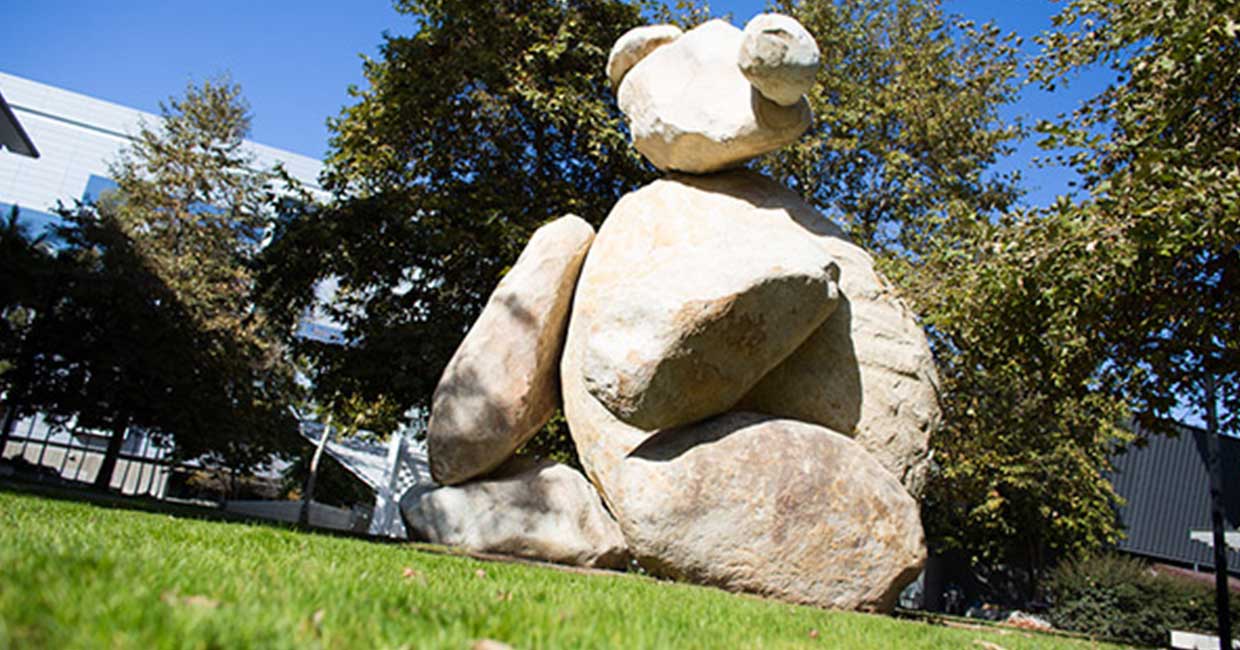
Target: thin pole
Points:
(307, 496)
(144, 468)
(125, 474)
(47, 434)
(64, 456)
(29, 433)
(1221, 595)
(7, 426)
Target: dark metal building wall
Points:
(1167, 492)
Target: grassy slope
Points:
(75, 575)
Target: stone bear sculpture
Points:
(749, 397)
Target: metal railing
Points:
(46, 450)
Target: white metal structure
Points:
(1195, 641)
(1231, 538)
(389, 469)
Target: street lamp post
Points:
(1221, 595)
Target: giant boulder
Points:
(866, 372)
(502, 383)
(539, 510)
(770, 506)
(779, 57)
(691, 109)
(688, 298)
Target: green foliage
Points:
(146, 315)
(25, 263)
(490, 120)
(553, 442)
(906, 123)
(192, 202)
(1120, 597)
(1028, 425)
(1160, 156)
(1054, 326)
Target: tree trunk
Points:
(103, 480)
(17, 393)
(307, 494)
(6, 426)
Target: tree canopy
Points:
(1057, 326)
(145, 315)
(489, 120)
(906, 123)
(1159, 152)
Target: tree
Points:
(1059, 325)
(490, 120)
(1160, 158)
(110, 349)
(153, 322)
(24, 265)
(906, 124)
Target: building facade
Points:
(1165, 485)
(77, 138)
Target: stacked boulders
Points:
(749, 398)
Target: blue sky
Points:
(295, 60)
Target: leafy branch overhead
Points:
(490, 120)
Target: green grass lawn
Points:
(80, 575)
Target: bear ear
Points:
(634, 46)
(779, 57)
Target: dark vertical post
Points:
(103, 480)
(1221, 594)
(307, 495)
(6, 425)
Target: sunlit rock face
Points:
(690, 108)
(770, 506)
(690, 297)
(779, 58)
(533, 509)
(502, 383)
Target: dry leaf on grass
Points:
(314, 623)
(490, 644)
(174, 599)
(988, 645)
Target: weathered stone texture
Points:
(779, 58)
(690, 109)
(770, 506)
(690, 297)
(538, 510)
(502, 383)
(634, 46)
